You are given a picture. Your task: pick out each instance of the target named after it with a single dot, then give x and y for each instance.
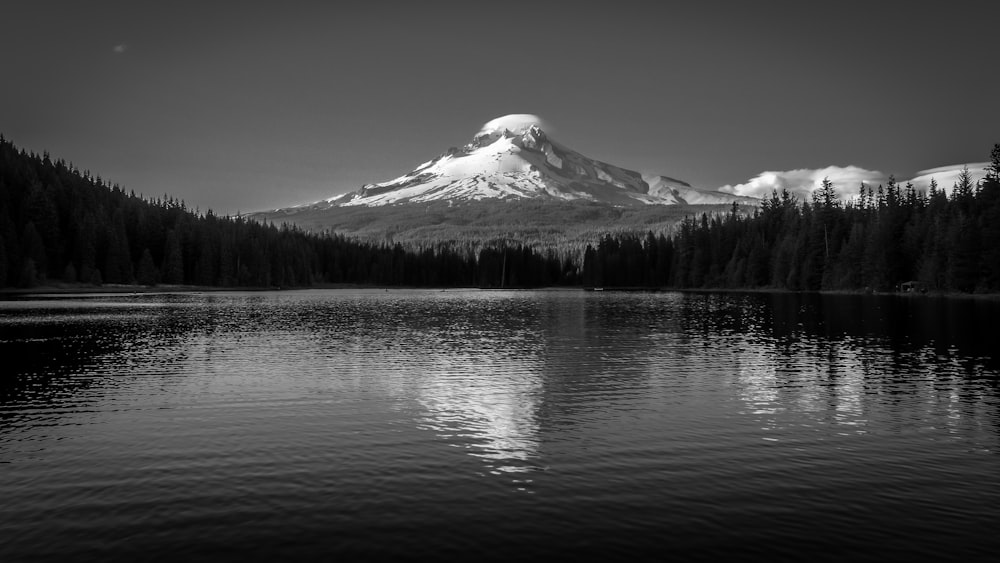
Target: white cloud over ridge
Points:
(846, 180)
(947, 176)
(803, 181)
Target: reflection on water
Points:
(409, 424)
(857, 363)
(475, 372)
(494, 420)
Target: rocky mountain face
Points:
(512, 157)
(511, 181)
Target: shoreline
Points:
(75, 289)
(861, 292)
(65, 289)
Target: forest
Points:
(60, 225)
(884, 239)
(63, 226)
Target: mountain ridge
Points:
(512, 157)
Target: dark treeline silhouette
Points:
(881, 240)
(60, 225)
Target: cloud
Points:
(802, 182)
(120, 48)
(947, 176)
(846, 180)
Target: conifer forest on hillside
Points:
(59, 225)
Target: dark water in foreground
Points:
(498, 425)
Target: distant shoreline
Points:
(915, 295)
(116, 288)
(75, 289)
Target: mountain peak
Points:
(513, 157)
(516, 123)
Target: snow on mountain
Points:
(680, 192)
(511, 157)
(517, 123)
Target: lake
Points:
(490, 425)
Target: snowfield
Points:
(511, 157)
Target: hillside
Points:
(511, 181)
(548, 224)
(61, 226)
(895, 238)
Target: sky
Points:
(244, 106)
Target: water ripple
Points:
(409, 424)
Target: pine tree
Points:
(146, 273)
(990, 221)
(29, 274)
(827, 195)
(3, 263)
(118, 261)
(33, 250)
(40, 210)
(963, 256)
(963, 193)
(173, 260)
(69, 273)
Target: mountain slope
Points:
(65, 229)
(512, 157)
(512, 181)
(538, 222)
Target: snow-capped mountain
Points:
(512, 157)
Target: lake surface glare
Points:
(489, 425)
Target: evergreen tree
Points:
(40, 211)
(118, 262)
(33, 250)
(990, 221)
(146, 273)
(173, 260)
(3, 262)
(826, 196)
(29, 274)
(963, 192)
(69, 273)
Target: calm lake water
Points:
(496, 425)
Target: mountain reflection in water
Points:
(491, 424)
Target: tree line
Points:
(882, 239)
(62, 225)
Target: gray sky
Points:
(243, 106)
